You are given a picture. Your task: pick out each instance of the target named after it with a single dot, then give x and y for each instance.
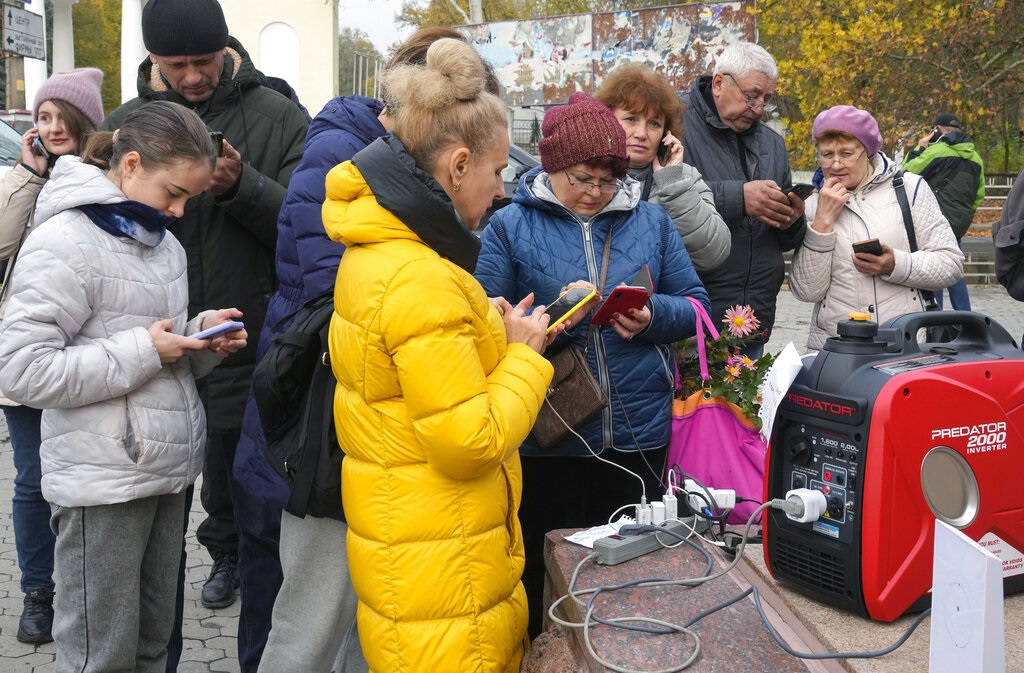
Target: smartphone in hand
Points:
(802, 190)
(568, 303)
(218, 141)
(37, 147)
(217, 330)
(870, 247)
(664, 152)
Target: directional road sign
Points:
(23, 33)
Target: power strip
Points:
(616, 549)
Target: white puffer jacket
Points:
(117, 425)
(823, 270)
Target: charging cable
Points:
(643, 486)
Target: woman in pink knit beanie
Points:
(857, 254)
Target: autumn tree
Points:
(356, 62)
(904, 62)
(97, 44)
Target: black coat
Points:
(754, 271)
(230, 239)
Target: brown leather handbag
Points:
(573, 398)
(575, 395)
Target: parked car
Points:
(519, 162)
(19, 120)
(10, 147)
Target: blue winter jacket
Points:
(306, 259)
(537, 245)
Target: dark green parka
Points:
(230, 239)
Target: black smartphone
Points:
(871, 247)
(936, 134)
(37, 147)
(664, 152)
(802, 190)
(218, 142)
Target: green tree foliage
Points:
(354, 49)
(97, 25)
(904, 62)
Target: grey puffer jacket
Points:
(682, 192)
(117, 425)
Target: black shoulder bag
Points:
(293, 385)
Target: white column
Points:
(133, 51)
(63, 56)
(35, 69)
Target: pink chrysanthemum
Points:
(731, 372)
(741, 321)
(746, 362)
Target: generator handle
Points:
(977, 331)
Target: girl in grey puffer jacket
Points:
(94, 335)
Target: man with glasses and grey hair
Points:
(746, 165)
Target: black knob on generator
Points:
(859, 330)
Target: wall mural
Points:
(543, 61)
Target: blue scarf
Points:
(130, 219)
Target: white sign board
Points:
(23, 33)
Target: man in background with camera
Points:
(229, 235)
(948, 162)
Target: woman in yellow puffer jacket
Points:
(437, 386)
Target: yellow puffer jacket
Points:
(431, 407)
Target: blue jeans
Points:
(259, 568)
(958, 296)
(33, 538)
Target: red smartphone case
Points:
(620, 300)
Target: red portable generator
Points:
(897, 433)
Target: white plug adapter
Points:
(671, 506)
(657, 513)
(804, 505)
(724, 498)
(643, 514)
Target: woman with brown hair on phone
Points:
(650, 113)
(857, 200)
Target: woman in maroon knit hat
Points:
(565, 215)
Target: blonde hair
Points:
(444, 102)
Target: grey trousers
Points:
(313, 628)
(116, 571)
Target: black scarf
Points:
(413, 196)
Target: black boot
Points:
(219, 590)
(36, 617)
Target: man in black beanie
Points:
(229, 234)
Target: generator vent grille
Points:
(811, 567)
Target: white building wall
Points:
(305, 52)
(310, 61)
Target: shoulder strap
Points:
(908, 223)
(908, 218)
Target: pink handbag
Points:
(714, 442)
